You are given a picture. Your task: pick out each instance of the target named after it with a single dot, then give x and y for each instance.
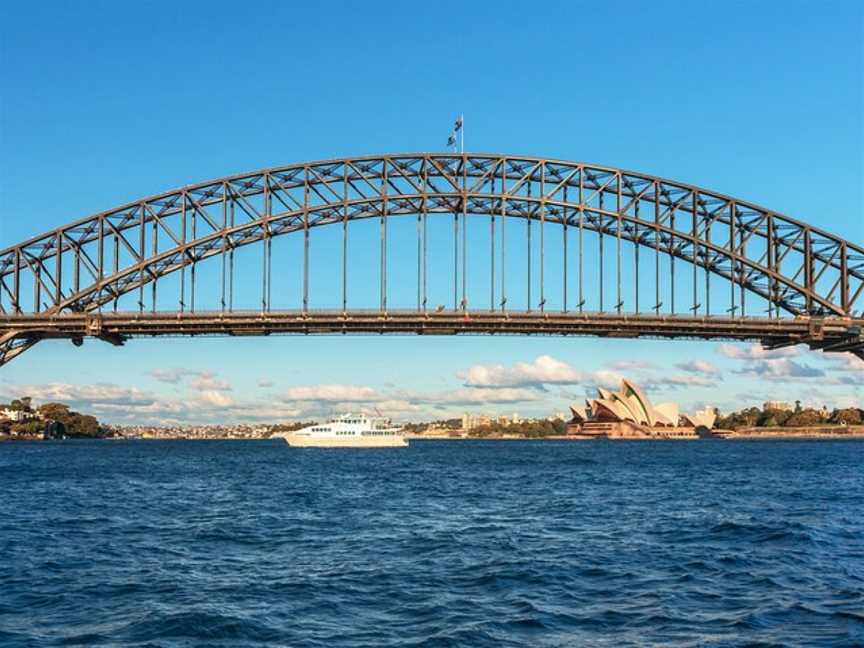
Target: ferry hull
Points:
(305, 441)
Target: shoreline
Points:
(821, 432)
(831, 434)
(727, 436)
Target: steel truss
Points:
(805, 275)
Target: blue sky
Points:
(102, 103)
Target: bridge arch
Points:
(796, 268)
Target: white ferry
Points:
(348, 431)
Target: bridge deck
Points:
(829, 333)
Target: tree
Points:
(75, 423)
(86, 425)
(55, 412)
(527, 429)
(21, 404)
(773, 417)
(768, 420)
(804, 418)
(29, 428)
(745, 418)
(848, 416)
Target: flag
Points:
(451, 141)
(458, 124)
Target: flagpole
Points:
(462, 130)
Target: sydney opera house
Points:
(628, 414)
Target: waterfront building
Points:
(11, 415)
(629, 413)
(782, 406)
(16, 416)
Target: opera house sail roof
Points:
(630, 404)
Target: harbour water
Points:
(496, 543)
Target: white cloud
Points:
(698, 367)
(844, 402)
(477, 395)
(264, 383)
(109, 402)
(544, 370)
(851, 379)
(331, 393)
(207, 381)
(756, 352)
(770, 364)
(677, 380)
(604, 378)
(844, 362)
(102, 393)
(172, 376)
(215, 398)
(200, 380)
(629, 365)
(779, 368)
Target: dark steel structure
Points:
(785, 282)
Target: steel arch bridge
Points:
(782, 281)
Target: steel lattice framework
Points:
(67, 283)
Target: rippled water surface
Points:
(495, 543)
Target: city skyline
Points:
(503, 379)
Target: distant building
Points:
(11, 415)
(782, 406)
(629, 414)
(471, 421)
(16, 415)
